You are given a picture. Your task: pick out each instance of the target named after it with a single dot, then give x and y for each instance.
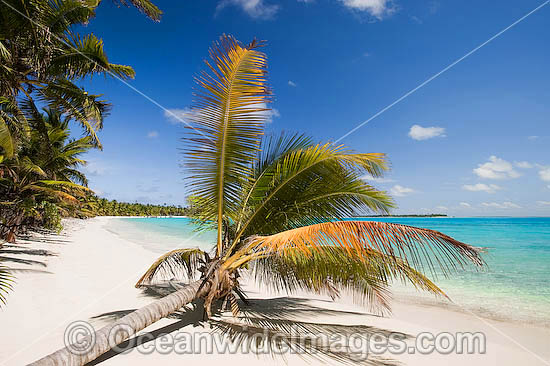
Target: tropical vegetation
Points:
(278, 205)
(42, 59)
(103, 207)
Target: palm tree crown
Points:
(279, 205)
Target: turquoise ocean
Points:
(515, 286)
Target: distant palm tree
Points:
(279, 207)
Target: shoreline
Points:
(94, 272)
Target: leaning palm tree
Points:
(279, 207)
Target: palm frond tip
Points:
(417, 247)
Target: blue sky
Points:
(474, 141)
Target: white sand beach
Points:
(93, 272)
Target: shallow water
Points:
(516, 284)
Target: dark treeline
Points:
(104, 207)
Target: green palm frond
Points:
(76, 176)
(179, 263)
(36, 121)
(6, 281)
(64, 184)
(85, 108)
(5, 54)
(51, 193)
(28, 166)
(331, 270)
(144, 6)
(62, 14)
(227, 122)
(6, 141)
(274, 147)
(12, 115)
(309, 185)
(85, 56)
(327, 272)
(77, 147)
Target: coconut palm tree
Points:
(43, 170)
(41, 55)
(36, 172)
(279, 207)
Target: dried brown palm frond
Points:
(416, 247)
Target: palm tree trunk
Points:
(128, 326)
(11, 227)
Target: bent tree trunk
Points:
(113, 334)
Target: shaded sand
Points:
(88, 274)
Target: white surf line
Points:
(150, 99)
(93, 303)
(435, 76)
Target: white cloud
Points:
(523, 164)
(94, 168)
(257, 9)
(400, 191)
(418, 132)
(532, 137)
(381, 180)
(543, 203)
(177, 115)
(292, 83)
(496, 168)
(442, 208)
(481, 187)
(152, 134)
(376, 8)
(503, 205)
(465, 204)
(544, 173)
(271, 114)
(98, 192)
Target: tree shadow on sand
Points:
(13, 251)
(276, 324)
